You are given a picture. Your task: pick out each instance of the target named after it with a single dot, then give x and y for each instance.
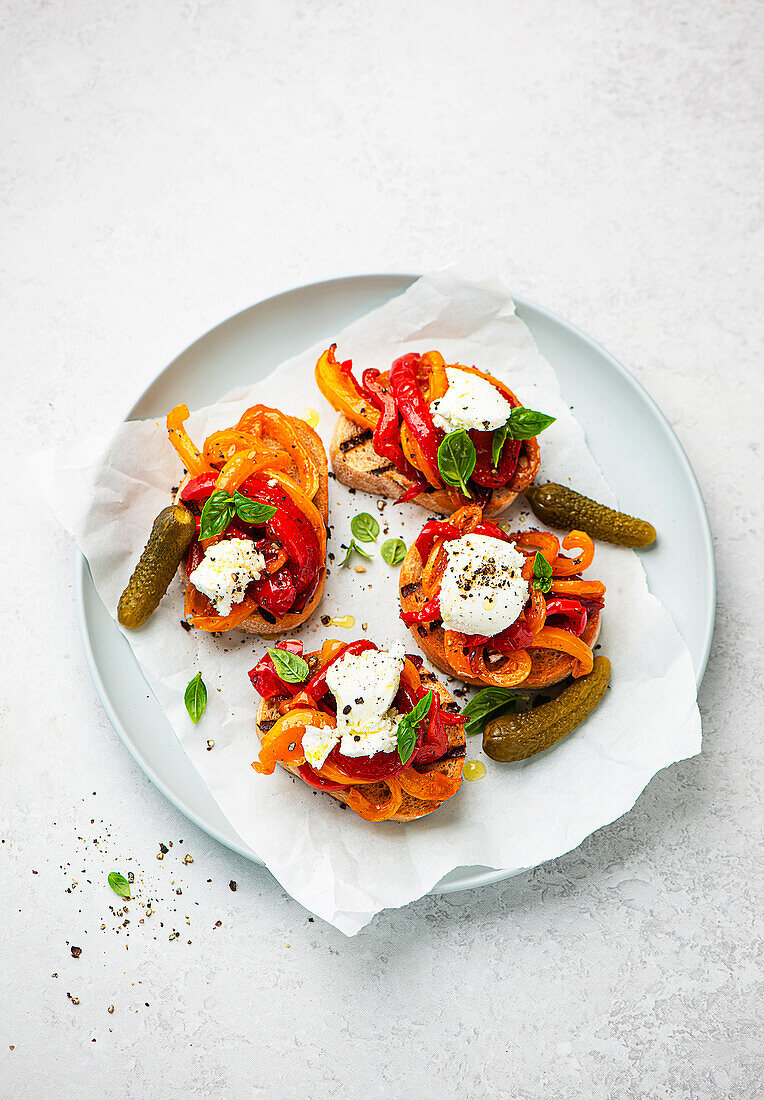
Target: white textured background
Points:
(164, 164)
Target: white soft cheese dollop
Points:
(469, 402)
(317, 743)
(225, 571)
(365, 685)
(483, 590)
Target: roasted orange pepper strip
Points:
(514, 670)
(545, 541)
(342, 393)
(432, 574)
(566, 567)
(189, 454)
(283, 742)
(429, 786)
(552, 637)
(370, 810)
(437, 382)
(535, 616)
(588, 589)
(453, 646)
(266, 421)
(201, 612)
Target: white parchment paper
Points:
(106, 492)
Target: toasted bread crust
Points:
(410, 808)
(547, 665)
(356, 464)
(255, 623)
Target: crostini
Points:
(370, 727)
(259, 495)
(501, 609)
(436, 434)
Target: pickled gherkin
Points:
(558, 506)
(170, 537)
(518, 736)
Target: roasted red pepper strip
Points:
(387, 433)
(415, 410)
(419, 486)
(276, 592)
(426, 614)
(266, 681)
(485, 473)
(441, 529)
(572, 610)
(516, 636)
(436, 741)
(306, 772)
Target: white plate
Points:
(627, 433)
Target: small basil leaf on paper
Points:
(252, 511)
(456, 460)
(497, 444)
(527, 423)
(394, 551)
(195, 698)
(119, 884)
(354, 548)
(217, 513)
(290, 667)
(490, 703)
(542, 573)
(364, 527)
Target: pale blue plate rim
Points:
(480, 876)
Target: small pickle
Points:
(170, 537)
(518, 736)
(558, 506)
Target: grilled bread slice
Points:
(450, 765)
(356, 464)
(548, 666)
(261, 622)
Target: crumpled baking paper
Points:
(106, 492)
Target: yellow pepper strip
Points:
(220, 446)
(566, 567)
(342, 393)
(552, 637)
(188, 452)
(437, 384)
(241, 466)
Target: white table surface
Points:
(166, 164)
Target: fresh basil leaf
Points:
(406, 740)
(456, 460)
(497, 444)
(394, 551)
(354, 548)
(290, 667)
(542, 573)
(119, 884)
(420, 710)
(364, 527)
(195, 698)
(217, 513)
(252, 511)
(526, 423)
(490, 703)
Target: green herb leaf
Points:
(526, 423)
(217, 513)
(542, 573)
(364, 527)
(289, 666)
(252, 511)
(456, 460)
(490, 703)
(407, 727)
(354, 548)
(195, 698)
(119, 884)
(497, 444)
(394, 551)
